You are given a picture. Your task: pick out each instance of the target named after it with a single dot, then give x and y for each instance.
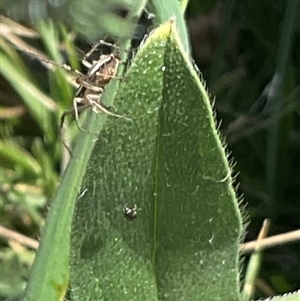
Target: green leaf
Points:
(114, 18)
(39, 105)
(294, 296)
(164, 10)
(170, 162)
(14, 155)
(50, 272)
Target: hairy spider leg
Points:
(91, 86)
(75, 110)
(96, 45)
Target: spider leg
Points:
(95, 102)
(77, 109)
(85, 61)
(75, 112)
(63, 117)
(100, 42)
(101, 107)
(72, 111)
(85, 82)
(97, 105)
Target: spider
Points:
(92, 84)
(130, 213)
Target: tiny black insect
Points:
(130, 213)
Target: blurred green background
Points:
(251, 70)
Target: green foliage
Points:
(132, 162)
(109, 19)
(29, 174)
(164, 10)
(15, 264)
(170, 163)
